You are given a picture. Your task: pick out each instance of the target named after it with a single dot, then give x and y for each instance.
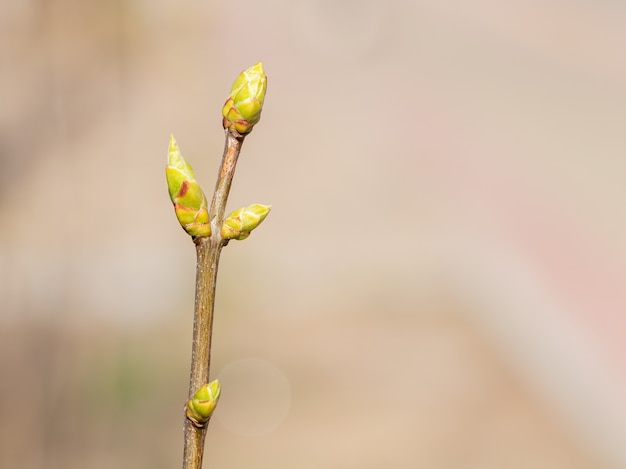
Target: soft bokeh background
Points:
(440, 283)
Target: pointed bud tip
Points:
(257, 68)
(172, 147)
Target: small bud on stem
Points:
(189, 201)
(242, 221)
(201, 406)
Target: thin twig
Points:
(208, 255)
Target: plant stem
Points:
(232, 147)
(208, 255)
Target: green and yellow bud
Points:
(243, 107)
(242, 221)
(189, 201)
(201, 406)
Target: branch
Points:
(211, 232)
(208, 251)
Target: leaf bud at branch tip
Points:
(190, 204)
(243, 107)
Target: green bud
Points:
(243, 107)
(189, 201)
(201, 406)
(242, 221)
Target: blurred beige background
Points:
(440, 283)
